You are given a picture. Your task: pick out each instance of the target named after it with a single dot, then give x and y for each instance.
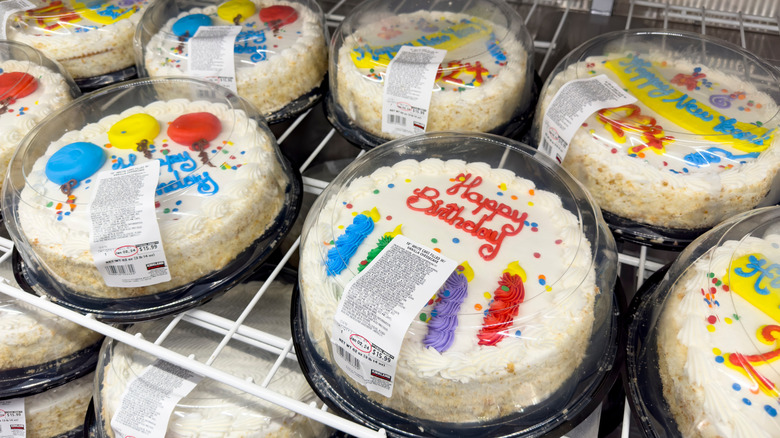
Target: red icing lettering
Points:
(426, 200)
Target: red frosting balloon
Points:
(16, 85)
(190, 128)
(278, 15)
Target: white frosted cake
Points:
(30, 336)
(280, 54)
(513, 321)
(690, 152)
(89, 39)
(213, 409)
(717, 340)
(29, 92)
(221, 186)
(481, 84)
(60, 410)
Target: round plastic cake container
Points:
(31, 87)
(40, 351)
(280, 54)
(214, 408)
(221, 204)
(92, 42)
(691, 144)
(439, 386)
(485, 82)
(701, 336)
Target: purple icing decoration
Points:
(441, 328)
(348, 243)
(721, 100)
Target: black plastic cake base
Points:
(673, 239)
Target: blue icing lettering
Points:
(713, 155)
(495, 49)
(251, 42)
(120, 162)
(206, 185)
(691, 106)
(771, 272)
(188, 165)
(726, 126)
(639, 66)
(425, 41)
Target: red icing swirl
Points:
(503, 310)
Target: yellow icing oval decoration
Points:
(373, 214)
(467, 271)
(395, 232)
(128, 132)
(229, 10)
(515, 269)
(104, 13)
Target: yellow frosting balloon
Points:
(467, 271)
(395, 232)
(373, 214)
(128, 132)
(515, 269)
(229, 10)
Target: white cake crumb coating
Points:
(468, 382)
(60, 410)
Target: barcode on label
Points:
(120, 269)
(546, 148)
(346, 355)
(396, 120)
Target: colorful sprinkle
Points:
(770, 410)
(712, 319)
(710, 328)
(390, 186)
(537, 255)
(736, 387)
(719, 359)
(376, 192)
(434, 240)
(423, 317)
(487, 295)
(477, 307)
(747, 401)
(455, 240)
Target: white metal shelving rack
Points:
(543, 17)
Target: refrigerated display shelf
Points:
(320, 152)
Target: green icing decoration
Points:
(380, 245)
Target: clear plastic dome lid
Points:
(223, 198)
(280, 52)
(213, 407)
(697, 145)
(31, 87)
(39, 350)
(522, 302)
(60, 411)
(484, 82)
(702, 343)
(89, 39)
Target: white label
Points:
(12, 422)
(377, 307)
(211, 55)
(407, 95)
(10, 7)
(123, 234)
(149, 399)
(572, 104)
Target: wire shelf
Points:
(310, 142)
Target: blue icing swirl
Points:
(74, 161)
(188, 25)
(347, 244)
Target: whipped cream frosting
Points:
(234, 182)
(275, 62)
(718, 334)
(529, 229)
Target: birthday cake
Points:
(221, 186)
(482, 84)
(717, 342)
(59, 411)
(280, 53)
(88, 38)
(28, 93)
(696, 147)
(509, 326)
(212, 408)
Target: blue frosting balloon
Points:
(189, 25)
(75, 161)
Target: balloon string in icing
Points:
(444, 316)
(505, 306)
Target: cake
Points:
(213, 409)
(511, 324)
(716, 342)
(88, 38)
(221, 186)
(30, 337)
(483, 82)
(280, 54)
(696, 147)
(29, 92)
(59, 411)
